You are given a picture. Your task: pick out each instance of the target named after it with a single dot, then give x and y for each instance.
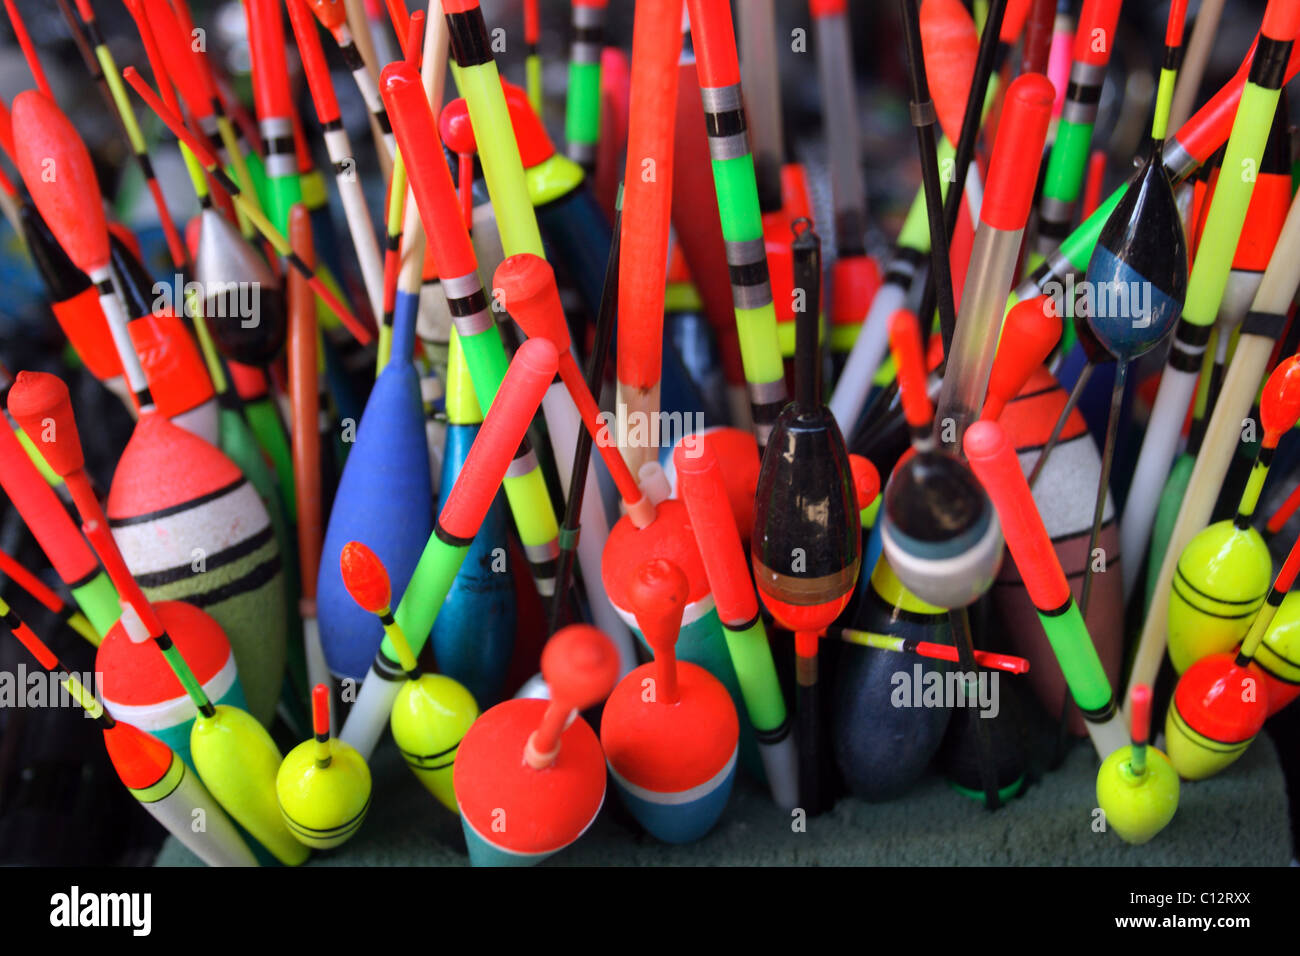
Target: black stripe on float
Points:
(331, 126)
(727, 123)
(469, 38)
(1102, 714)
(1057, 611)
(251, 581)
(11, 620)
(775, 735)
(86, 578)
(105, 286)
(276, 145)
(157, 579)
(767, 411)
(352, 57)
(393, 242)
(323, 738)
(146, 165)
(178, 508)
(1268, 324)
(1178, 574)
(749, 273)
(385, 668)
(1173, 58)
(472, 304)
(1268, 68)
(587, 35)
(543, 569)
(446, 537)
(385, 124)
(1087, 94)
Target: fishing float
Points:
(431, 712)
(172, 492)
(232, 752)
(304, 399)
(703, 490)
(1141, 247)
(244, 204)
(1137, 786)
(333, 16)
(1003, 212)
(805, 493)
(152, 772)
(698, 228)
(647, 207)
(1030, 331)
(457, 265)
(323, 785)
(1007, 663)
(382, 496)
(56, 534)
(1223, 573)
(531, 371)
(1204, 293)
(939, 534)
(528, 291)
(112, 82)
(339, 148)
(1094, 41)
(669, 729)
(474, 635)
(995, 464)
(274, 104)
(48, 597)
(738, 208)
(1218, 708)
(582, 104)
(530, 774)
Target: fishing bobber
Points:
(669, 729)
(1223, 574)
(1029, 332)
(1137, 786)
(938, 529)
(139, 687)
(431, 712)
(530, 774)
(737, 453)
(323, 785)
(806, 547)
(1219, 706)
(236, 281)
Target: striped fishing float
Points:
(171, 792)
(323, 785)
(738, 207)
(530, 372)
(582, 105)
(432, 712)
(1223, 573)
(536, 761)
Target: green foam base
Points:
(1237, 818)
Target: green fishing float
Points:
(582, 107)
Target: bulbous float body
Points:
(1218, 708)
(323, 806)
(1137, 807)
(1222, 578)
(430, 717)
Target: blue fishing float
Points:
(383, 499)
(669, 729)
